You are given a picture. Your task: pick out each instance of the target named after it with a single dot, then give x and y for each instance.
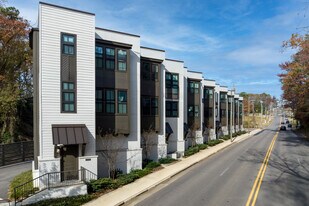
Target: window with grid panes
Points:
(99, 100)
(99, 57)
(171, 108)
(110, 101)
(171, 84)
(109, 58)
(68, 44)
(122, 102)
(68, 97)
(122, 60)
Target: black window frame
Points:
(65, 44)
(171, 85)
(148, 111)
(122, 102)
(169, 109)
(99, 56)
(153, 71)
(99, 101)
(109, 102)
(110, 58)
(195, 110)
(122, 60)
(68, 102)
(194, 87)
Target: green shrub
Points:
(226, 137)
(214, 142)
(152, 165)
(21, 179)
(166, 160)
(103, 184)
(202, 146)
(191, 151)
(66, 201)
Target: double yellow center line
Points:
(258, 181)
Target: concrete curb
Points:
(126, 193)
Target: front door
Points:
(69, 162)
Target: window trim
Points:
(150, 107)
(62, 42)
(171, 109)
(151, 74)
(122, 103)
(62, 102)
(170, 86)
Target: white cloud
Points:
(256, 55)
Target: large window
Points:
(122, 102)
(110, 58)
(150, 106)
(150, 71)
(106, 101)
(68, 97)
(99, 100)
(194, 87)
(68, 44)
(154, 72)
(223, 97)
(208, 93)
(171, 84)
(193, 111)
(99, 57)
(110, 101)
(171, 109)
(122, 60)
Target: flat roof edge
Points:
(143, 47)
(119, 32)
(195, 72)
(174, 60)
(62, 7)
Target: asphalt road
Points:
(227, 177)
(8, 173)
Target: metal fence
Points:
(16, 152)
(52, 180)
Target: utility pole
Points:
(231, 119)
(261, 113)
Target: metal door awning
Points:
(69, 134)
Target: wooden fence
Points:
(16, 152)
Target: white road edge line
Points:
(224, 171)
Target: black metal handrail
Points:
(52, 180)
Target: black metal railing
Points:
(52, 180)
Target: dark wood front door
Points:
(69, 162)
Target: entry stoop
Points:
(57, 192)
(172, 155)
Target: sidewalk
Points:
(130, 191)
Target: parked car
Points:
(283, 127)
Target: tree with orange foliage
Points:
(295, 77)
(15, 66)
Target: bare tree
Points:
(192, 133)
(110, 146)
(148, 141)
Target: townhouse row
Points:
(92, 82)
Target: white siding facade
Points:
(52, 21)
(176, 144)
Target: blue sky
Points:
(236, 42)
